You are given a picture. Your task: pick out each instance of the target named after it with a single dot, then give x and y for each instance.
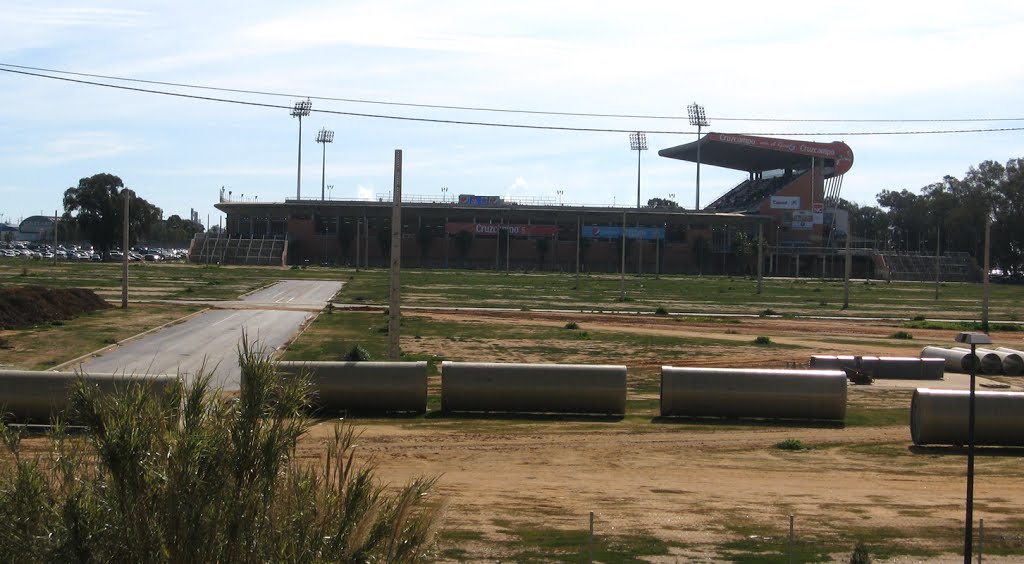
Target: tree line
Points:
(951, 215)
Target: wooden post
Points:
(394, 304)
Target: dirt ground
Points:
(707, 489)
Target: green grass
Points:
(531, 544)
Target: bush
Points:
(762, 340)
(192, 476)
(792, 444)
(572, 325)
(767, 312)
(901, 335)
(358, 354)
(661, 311)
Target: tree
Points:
(661, 203)
(96, 206)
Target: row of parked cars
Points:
(22, 249)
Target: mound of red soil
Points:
(23, 306)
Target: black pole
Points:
(969, 521)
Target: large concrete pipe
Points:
(1013, 363)
(939, 417)
(988, 362)
(956, 361)
(533, 388)
(736, 392)
(32, 396)
(365, 386)
(1010, 360)
(885, 367)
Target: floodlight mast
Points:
(638, 142)
(324, 137)
(696, 114)
(299, 110)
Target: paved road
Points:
(212, 337)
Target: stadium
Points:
(788, 201)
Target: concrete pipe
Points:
(1013, 356)
(32, 396)
(533, 388)
(956, 361)
(988, 363)
(736, 392)
(885, 367)
(365, 386)
(939, 417)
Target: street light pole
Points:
(560, 192)
(300, 109)
(696, 114)
(638, 142)
(974, 339)
(324, 137)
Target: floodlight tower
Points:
(638, 142)
(696, 114)
(324, 137)
(300, 110)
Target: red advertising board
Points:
(514, 229)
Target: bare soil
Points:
(700, 485)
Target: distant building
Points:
(36, 228)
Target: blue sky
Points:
(781, 60)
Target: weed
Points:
(860, 554)
(5, 343)
(762, 340)
(767, 311)
(661, 311)
(572, 325)
(901, 335)
(24, 271)
(731, 332)
(583, 336)
(919, 317)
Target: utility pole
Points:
(394, 304)
(124, 252)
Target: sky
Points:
(855, 72)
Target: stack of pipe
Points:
(32, 396)
(956, 360)
(939, 417)
(743, 392)
(891, 367)
(1013, 360)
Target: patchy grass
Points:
(528, 544)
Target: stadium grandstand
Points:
(788, 201)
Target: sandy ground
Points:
(701, 485)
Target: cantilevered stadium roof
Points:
(756, 154)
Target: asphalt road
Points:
(271, 317)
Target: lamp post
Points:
(324, 137)
(696, 114)
(330, 191)
(444, 194)
(638, 142)
(300, 110)
(974, 339)
(560, 192)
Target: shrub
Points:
(572, 325)
(762, 340)
(919, 317)
(731, 332)
(192, 476)
(357, 354)
(901, 335)
(792, 444)
(768, 311)
(661, 311)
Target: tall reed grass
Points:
(194, 476)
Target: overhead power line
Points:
(13, 69)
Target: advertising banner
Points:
(615, 232)
(514, 229)
(785, 202)
(471, 200)
(818, 207)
